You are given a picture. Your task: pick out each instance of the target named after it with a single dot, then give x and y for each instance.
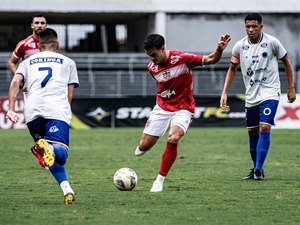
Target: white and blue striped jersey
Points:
(47, 76)
(259, 66)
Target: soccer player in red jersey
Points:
(29, 45)
(175, 103)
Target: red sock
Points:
(168, 158)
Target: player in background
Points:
(29, 45)
(50, 78)
(258, 54)
(175, 105)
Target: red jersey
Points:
(26, 47)
(175, 82)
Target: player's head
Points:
(253, 16)
(154, 41)
(48, 40)
(154, 46)
(253, 25)
(38, 23)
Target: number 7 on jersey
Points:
(47, 78)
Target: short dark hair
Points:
(38, 15)
(48, 36)
(253, 16)
(154, 41)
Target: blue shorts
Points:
(51, 130)
(262, 113)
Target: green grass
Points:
(203, 187)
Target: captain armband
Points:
(234, 60)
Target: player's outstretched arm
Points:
(215, 56)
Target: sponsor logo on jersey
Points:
(166, 74)
(264, 45)
(167, 93)
(246, 47)
(32, 45)
(250, 72)
(264, 54)
(46, 60)
(174, 59)
(252, 82)
(255, 59)
(260, 70)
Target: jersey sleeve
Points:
(19, 50)
(73, 79)
(193, 60)
(235, 54)
(22, 70)
(278, 48)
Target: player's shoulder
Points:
(178, 57)
(181, 55)
(175, 52)
(241, 44)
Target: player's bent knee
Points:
(174, 139)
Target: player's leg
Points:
(179, 125)
(59, 173)
(146, 143)
(45, 133)
(252, 124)
(57, 135)
(156, 127)
(267, 114)
(37, 131)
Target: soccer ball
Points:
(125, 179)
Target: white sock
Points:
(138, 151)
(65, 187)
(160, 178)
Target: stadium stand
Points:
(125, 74)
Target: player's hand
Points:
(291, 95)
(12, 116)
(24, 88)
(223, 41)
(223, 103)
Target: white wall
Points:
(201, 32)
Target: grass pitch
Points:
(203, 187)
